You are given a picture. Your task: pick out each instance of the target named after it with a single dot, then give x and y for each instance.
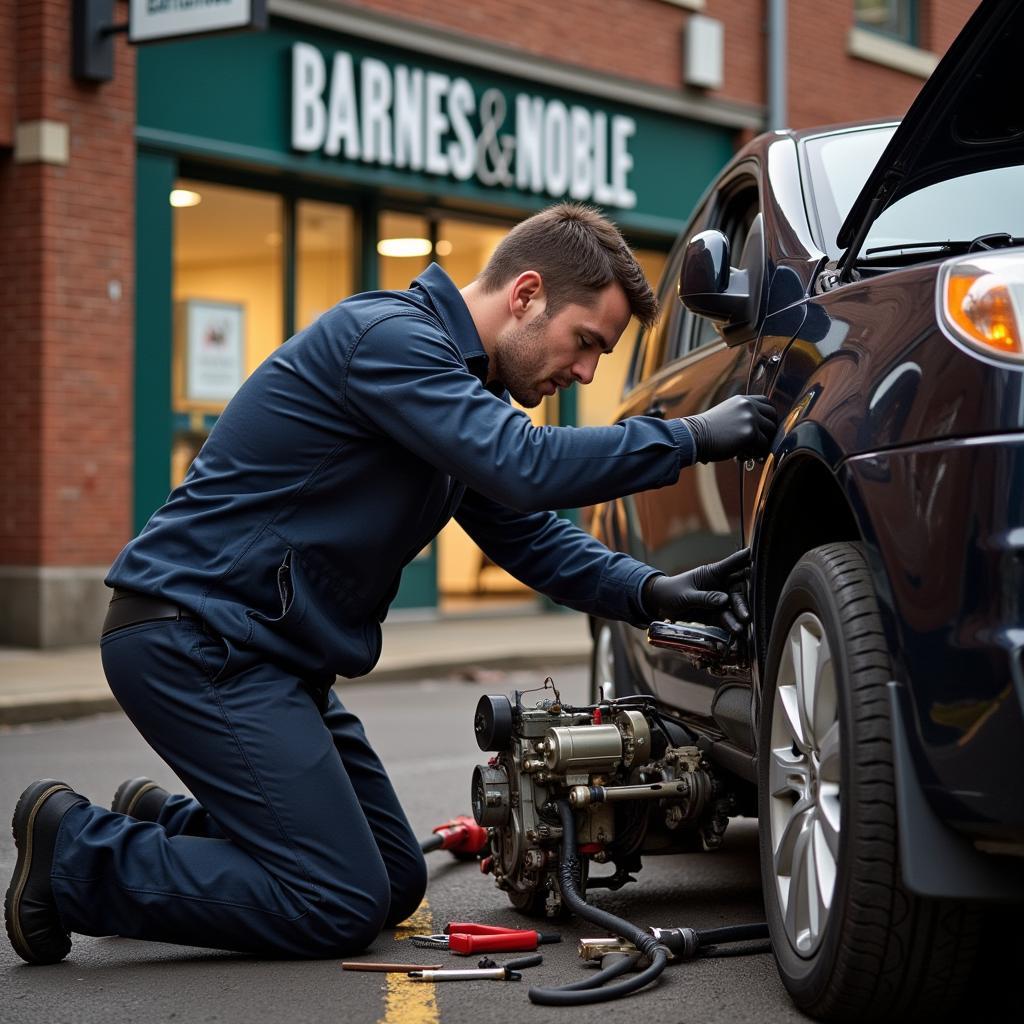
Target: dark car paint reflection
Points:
(904, 441)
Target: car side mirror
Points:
(728, 296)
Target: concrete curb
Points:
(67, 705)
(539, 660)
(56, 707)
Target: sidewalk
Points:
(68, 682)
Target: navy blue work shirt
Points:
(344, 454)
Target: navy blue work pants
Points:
(296, 844)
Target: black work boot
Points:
(139, 798)
(30, 911)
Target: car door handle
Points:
(655, 409)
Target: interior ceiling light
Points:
(443, 248)
(184, 197)
(404, 246)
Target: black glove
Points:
(709, 591)
(743, 425)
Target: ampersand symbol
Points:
(493, 152)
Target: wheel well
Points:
(806, 508)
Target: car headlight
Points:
(981, 302)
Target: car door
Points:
(699, 518)
(621, 521)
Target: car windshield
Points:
(960, 208)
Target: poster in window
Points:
(216, 349)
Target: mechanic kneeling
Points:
(270, 568)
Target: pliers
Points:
(466, 939)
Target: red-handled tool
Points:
(465, 939)
(507, 942)
(470, 928)
(461, 836)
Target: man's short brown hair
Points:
(578, 252)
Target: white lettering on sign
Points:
(407, 120)
(376, 111)
(342, 117)
(420, 120)
(462, 151)
(436, 122)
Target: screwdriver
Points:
(506, 972)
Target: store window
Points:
(404, 249)
(466, 578)
(325, 250)
(228, 302)
(897, 18)
(464, 247)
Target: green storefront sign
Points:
(405, 117)
(314, 108)
(302, 100)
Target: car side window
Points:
(650, 349)
(733, 217)
(660, 343)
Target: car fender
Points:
(935, 860)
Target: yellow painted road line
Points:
(411, 1002)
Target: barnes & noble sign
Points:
(405, 117)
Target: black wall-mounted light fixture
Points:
(92, 45)
(93, 28)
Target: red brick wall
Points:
(66, 233)
(827, 85)
(6, 73)
(627, 38)
(642, 40)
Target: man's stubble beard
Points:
(518, 355)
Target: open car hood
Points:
(967, 117)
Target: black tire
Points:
(608, 662)
(881, 952)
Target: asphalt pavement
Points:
(423, 730)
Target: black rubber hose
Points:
(434, 842)
(644, 941)
(617, 963)
(732, 933)
(720, 952)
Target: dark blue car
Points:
(870, 280)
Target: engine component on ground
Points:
(595, 748)
(635, 779)
(490, 794)
(580, 796)
(492, 722)
(591, 990)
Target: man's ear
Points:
(525, 293)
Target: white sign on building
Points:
(410, 118)
(149, 20)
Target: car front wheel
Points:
(850, 942)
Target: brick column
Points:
(67, 207)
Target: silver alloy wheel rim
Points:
(604, 664)
(803, 781)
